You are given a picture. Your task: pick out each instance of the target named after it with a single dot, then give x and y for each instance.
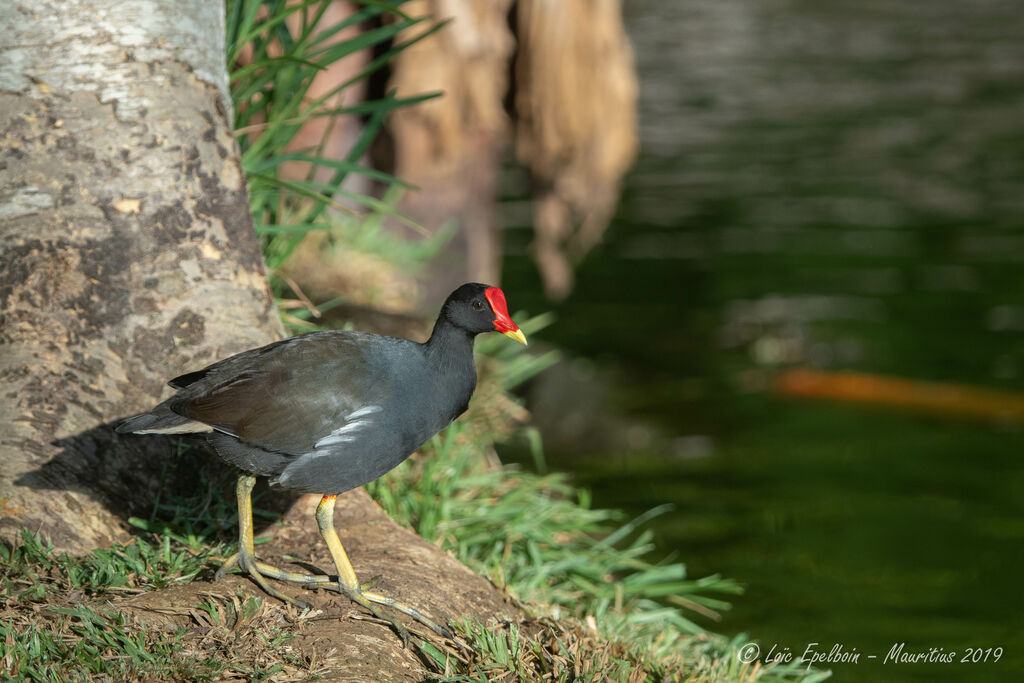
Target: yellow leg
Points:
(245, 558)
(346, 581)
(349, 584)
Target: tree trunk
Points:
(127, 253)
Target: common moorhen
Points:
(326, 412)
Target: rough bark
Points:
(127, 253)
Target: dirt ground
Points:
(338, 640)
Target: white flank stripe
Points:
(354, 422)
(363, 412)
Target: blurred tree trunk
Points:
(576, 91)
(449, 147)
(575, 129)
(127, 253)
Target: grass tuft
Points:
(81, 642)
(567, 651)
(32, 571)
(57, 625)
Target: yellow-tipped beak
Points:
(516, 334)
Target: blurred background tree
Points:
(555, 79)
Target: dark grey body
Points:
(323, 412)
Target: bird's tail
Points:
(160, 420)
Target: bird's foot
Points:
(313, 580)
(358, 597)
(258, 570)
(370, 600)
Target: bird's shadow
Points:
(150, 482)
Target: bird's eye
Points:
(478, 305)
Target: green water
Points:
(832, 185)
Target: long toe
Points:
(357, 596)
(251, 566)
(410, 611)
(226, 567)
(273, 592)
(315, 580)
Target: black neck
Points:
(450, 352)
(448, 343)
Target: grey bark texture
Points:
(127, 253)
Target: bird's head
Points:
(481, 308)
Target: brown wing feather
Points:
(231, 404)
(298, 395)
